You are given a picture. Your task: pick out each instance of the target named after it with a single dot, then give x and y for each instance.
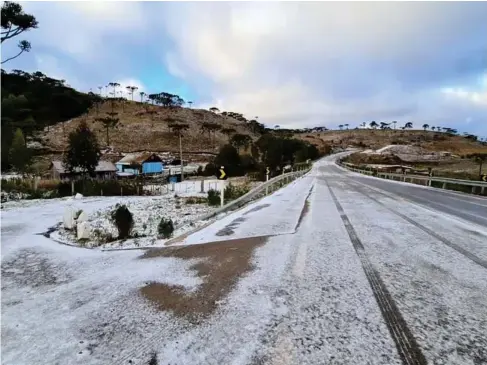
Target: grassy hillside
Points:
(375, 139)
(144, 127)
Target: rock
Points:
(68, 218)
(83, 217)
(83, 230)
(78, 196)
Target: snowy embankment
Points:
(147, 213)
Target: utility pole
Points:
(181, 155)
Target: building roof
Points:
(138, 158)
(103, 166)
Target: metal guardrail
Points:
(260, 191)
(429, 179)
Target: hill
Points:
(144, 127)
(375, 139)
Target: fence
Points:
(468, 186)
(260, 191)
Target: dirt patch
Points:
(222, 264)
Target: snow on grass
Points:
(147, 213)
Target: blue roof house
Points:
(143, 163)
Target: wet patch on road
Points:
(257, 208)
(229, 229)
(221, 265)
(305, 209)
(31, 268)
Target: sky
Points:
(293, 64)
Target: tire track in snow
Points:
(406, 345)
(443, 240)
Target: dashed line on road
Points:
(445, 241)
(407, 347)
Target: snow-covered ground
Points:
(305, 298)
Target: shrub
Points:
(165, 228)
(196, 200)
(123, 220)
(213, 197)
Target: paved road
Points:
(470, 208)
(333, 269)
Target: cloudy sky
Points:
(294, 64)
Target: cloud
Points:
(329, 63)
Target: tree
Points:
(214, 110)
(142, 94)
(346, 125)
(19, 153)
(433, 128)
(373, 124)
(384, 125)
(340, 126)
(83, 150)
(480, 158)
(131, 90)
(240, 140)
(425, 126)
(190, 103)
(178, 127)
(408, 125)
(229, 157)
(15, 22)
(394, 122)
(109, 122)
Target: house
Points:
(104, 170)
(140, 163)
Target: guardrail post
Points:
(444, 185)
(482, 191)
(473, 189)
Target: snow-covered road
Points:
(328, 270)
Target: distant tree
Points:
(114, 85)
(214, 110)
(340, 126)
(20, 155)
(384, 125)
(373, 124)
(425, 126)
(433, 128)
(15, 22)
(190, 103)
(83, 151)
(480, 158)
(277, 126)
(346, 125)
(142, 94)
(131, 90)
(394, 122)
(109, 122)
(240, 140)
(408, 125)
(363, 124)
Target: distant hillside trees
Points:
(34, 101)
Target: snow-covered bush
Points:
(213, 197)
(123, 220)
(165, 228)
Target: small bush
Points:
(213, 197)
(123, 220)
(165, 228)
(196, 200)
